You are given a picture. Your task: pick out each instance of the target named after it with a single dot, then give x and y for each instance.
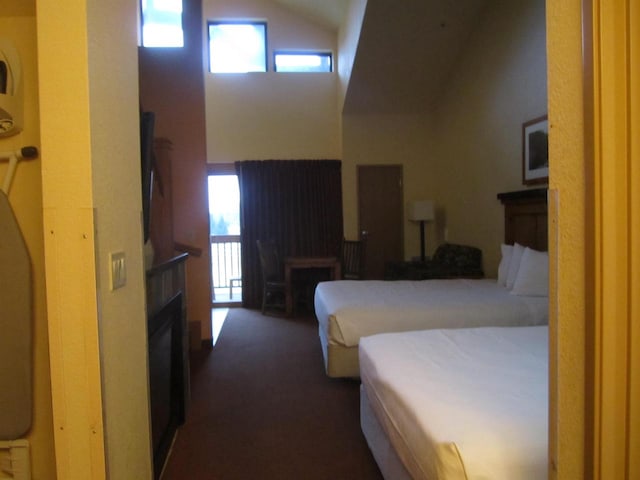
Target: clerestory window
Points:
(302, 61)
(162, 23)
(237, 47)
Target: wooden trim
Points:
(221, 169)
(590, 460)
(523, 195)
(161, 267)
(190, 249)
(613, 363)
(526, 218)
(633, 176)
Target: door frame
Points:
(611, 34)
(400, 166)
(222, 169)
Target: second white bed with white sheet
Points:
(457, 404)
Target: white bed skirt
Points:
(390, 465)
(339, 361)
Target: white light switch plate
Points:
(118, 270)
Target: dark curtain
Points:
(295, 203)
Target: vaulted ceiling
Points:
(406, 51)
(329, 13)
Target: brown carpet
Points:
(262, 407)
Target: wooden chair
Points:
(273, 288)
(352, 257)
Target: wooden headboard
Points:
(525, 217)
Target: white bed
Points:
(348, 310)
(457, 404)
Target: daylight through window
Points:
(162, 23)
(236, 47)
(302, 62)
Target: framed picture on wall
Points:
(535, 151)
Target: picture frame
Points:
(535, 151)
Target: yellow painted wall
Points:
(18, 23)
(389, 139)
(567, 245)
(593, 108)
(348, 36)
(272, 115)
(69, 240)
(499, 83)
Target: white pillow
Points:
(514, 264)
(503, 268)
(533, 274)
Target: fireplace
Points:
(168, 356)
(166, 382)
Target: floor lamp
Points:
(421, 211)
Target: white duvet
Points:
(348, 310)
(462, 404)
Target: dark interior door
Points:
(380, 214)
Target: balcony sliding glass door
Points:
(224, 221)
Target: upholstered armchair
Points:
(449, 261)
(456, 261)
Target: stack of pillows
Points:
(524, 271)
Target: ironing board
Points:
(15, 327)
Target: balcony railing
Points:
(226, 270)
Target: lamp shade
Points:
(421, 210)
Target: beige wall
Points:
(348, 37)
(18, 23)
(499, 83)
(113, 73)
(469, 148)
(272, 115)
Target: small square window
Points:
(237, 47)
(162, 23)
(302, 62)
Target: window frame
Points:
(253, 22)
(320, 53)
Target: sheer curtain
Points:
(295, 203)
